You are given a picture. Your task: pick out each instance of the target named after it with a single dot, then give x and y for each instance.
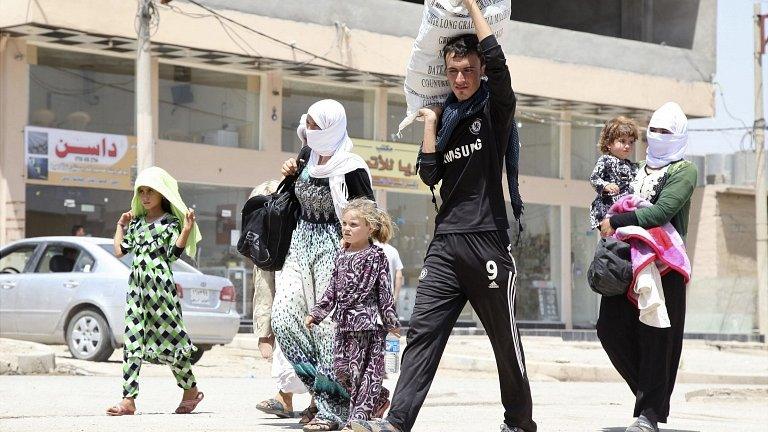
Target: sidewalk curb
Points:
(245, 341)
(36, 363)
(559, 371)
(591, 373)
(13, 363)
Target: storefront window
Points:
(396, 109)
(55, 210)
(538, 263)
(299, 95)
(585, 302)
(414, 216)
(208, 107)
(218, 217)
(584, 152)
(540, 154)
(85, 92)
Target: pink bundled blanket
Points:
(660, 245)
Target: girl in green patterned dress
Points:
(156, 231)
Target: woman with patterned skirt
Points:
(331, 176)
(156, 231)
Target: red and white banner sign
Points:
(74, 158)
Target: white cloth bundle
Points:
(425, 81)
(650, 298)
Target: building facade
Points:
(227, 100)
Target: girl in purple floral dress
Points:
(359, 292)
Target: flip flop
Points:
(320, 425)
(274, 407)
(187, 406)
(377, 425)
(119, 410)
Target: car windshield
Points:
(177, 266)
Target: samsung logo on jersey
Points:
(462, 151)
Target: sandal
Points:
(378, 425)
(274, 407)
(308, 414)
(119, 410)
(382, 409)
(187, 406)
(320, 425)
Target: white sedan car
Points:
(72, 290)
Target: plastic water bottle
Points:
(392, 354)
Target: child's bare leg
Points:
(190, 393)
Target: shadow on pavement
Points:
(293, 426)
(622, 429)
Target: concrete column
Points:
(271, 99)
(154, 72)
(14, 111)
(380, 115)
(252, 112)
(566, 296)
(145, 123)
(370, 108)
(566, 137)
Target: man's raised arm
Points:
(482, 28)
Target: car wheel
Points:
(197, 355)
(88, 336)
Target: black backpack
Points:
(268, 222)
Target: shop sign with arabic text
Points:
(62, 157)
(392, 165)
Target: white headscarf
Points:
(663, 149)
(330, 140)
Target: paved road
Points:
(235, 380)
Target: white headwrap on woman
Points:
(663, 149)
(331, 140)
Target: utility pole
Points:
(145, 140)
(761, 202)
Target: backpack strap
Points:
(303, 158)
(301, 161)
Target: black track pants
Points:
(459, 267)
(647, 357)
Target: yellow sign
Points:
(392, 165)
(60, 157)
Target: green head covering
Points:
(159, 180)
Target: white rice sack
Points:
(425, 81)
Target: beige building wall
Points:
(222, 166)
(365, 50)
(722, 295)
